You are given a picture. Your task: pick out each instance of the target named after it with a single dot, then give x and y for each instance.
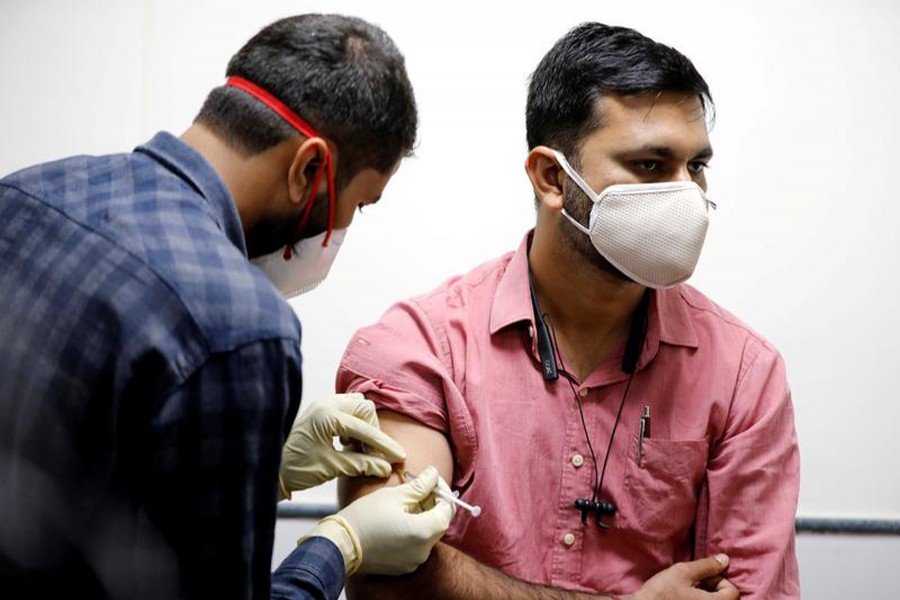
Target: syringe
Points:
(452, 497)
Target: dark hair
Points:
(595, 59)
(342, 75)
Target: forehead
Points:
(672, 120)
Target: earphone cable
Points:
(613, 434)
(568, 377)
(598, 482)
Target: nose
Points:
(683, 174)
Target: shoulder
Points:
(83, 187)
(467, 295)
(725, 331)
(461, 299)
(231, 301)
(161, 231)
(428, 326)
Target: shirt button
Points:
(583, 392)
(530, 331)
(569, 539)
(577, 460)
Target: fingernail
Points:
(722, 559)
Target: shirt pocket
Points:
(662, 484)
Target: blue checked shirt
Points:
(148, 377)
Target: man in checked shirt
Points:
(149, 373)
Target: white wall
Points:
(803, 247)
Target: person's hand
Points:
(309, 457)
(390, 531)
(696, 580)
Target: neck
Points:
(252, 181)
(590, 310)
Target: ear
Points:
(547, 177)
(307, 161)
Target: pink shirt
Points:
(720, 472)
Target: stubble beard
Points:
(578, 205)
(274, 234)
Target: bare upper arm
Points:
(424, 446)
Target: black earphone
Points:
(548, 352)
(633, 344)
(544, 344)
(600, 508)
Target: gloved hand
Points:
(389, 532)
(309, 458)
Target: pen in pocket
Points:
(644, 431)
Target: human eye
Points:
(698, 166)
(647, 166)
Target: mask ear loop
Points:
(575, 176)
(561, 160)
(332, 195)
(312, 198)
(283, 111)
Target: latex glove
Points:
(309, 457)
(389, 532)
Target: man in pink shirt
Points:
(609, 420)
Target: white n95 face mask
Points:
(305, 268)
(651, 232)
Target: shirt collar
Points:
(512, 300)
(668, 318)
(188, 164)
(668, 322)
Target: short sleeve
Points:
(402, 364)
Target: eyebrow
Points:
(667, 152)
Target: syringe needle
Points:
(474, 510)
(449, 497)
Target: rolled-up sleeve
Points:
(400, 363)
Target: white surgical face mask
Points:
(307, 266)
(651, 232)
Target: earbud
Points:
(600, 508)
